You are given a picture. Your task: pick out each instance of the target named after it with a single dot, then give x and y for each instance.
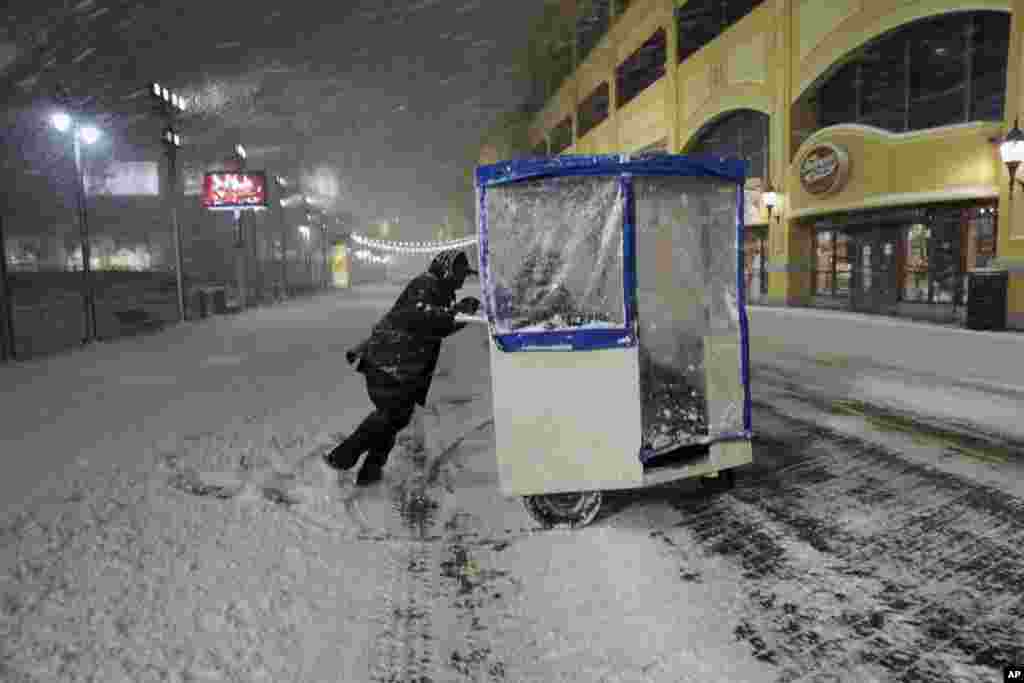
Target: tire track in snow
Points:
(404, 649)
(860, 564)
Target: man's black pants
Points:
(394, 404)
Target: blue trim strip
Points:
(566, 340)
(629, 274)
(663, 164)
(741, 302)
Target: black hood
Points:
(443, 265)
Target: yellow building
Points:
(878, 122)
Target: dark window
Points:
(742, 133)
(837, 100)
(883, 84)
(641, 69)
(934, 72)
(593, 110)
(701, 21)
(938, 80)
(990, 45)
(561, 136)
(591, 26)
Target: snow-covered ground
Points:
(968, 377)
(114, 570)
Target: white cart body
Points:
(614, 296)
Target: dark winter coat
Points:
(406, 343)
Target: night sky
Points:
(386, 100)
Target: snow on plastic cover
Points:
(686, 296)
(555, 249)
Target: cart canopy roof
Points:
(734, 170)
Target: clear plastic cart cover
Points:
(687, 309)
(555, 251)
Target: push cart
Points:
(614, 298)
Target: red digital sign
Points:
(225, 190)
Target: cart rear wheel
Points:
(570, 510)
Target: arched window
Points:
(933, 72)
(740, 133)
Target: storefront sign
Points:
(223, 191)
(824, 169)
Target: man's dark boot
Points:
(346, 454)
(372, 470)
(370, 473)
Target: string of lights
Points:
(370, 257)
(414, 247)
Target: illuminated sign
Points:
(339, 266)
(824, 169)
(224, 190)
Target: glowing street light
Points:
(61, 121)
(171, 99)
(88, 134)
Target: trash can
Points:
(220, 301)
(986, 299)
(200, 305)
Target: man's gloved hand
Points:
(467, 305)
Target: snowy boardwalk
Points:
(850, 551)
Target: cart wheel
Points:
(568, 510)
(725, 481)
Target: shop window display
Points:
(832, 276)
(915, 272)
(755, 262)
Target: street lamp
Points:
(771, 198)
(169, 105)
(88, 134)
(279, 205)
(306, 233)
(1012, 152)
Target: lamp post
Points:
(323, 229)
(241, 256)
(306, 234)
(281, 182)
(88, 134)
(170, 105)
(9, 351)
